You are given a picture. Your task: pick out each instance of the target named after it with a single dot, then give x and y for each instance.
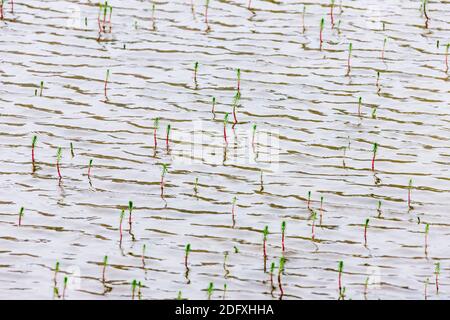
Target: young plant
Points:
(130, 211)
(195, 74)
(437, 271)
(21, 215)
(280, 271)
(122, 214)
(359, 106)
(366, 226)
(427, 281)
(56, 272)
(206, 15)
(384, 48)
(153, 16)
(331, 13)
(133, 288)
(66, 280)
(283, 232)
(105, 263)
(272, 269)
(139, 290)
(322, 25)
(321, 210)
(313, 218)
(238, 80)
(225, 121)
(427, 231)
(213, 110)
(210, 289)
(167, 136)
(236, 100)
(224, 290)
(187, 250)
(253, 134)
(265, 234)
(196, 186)
(106, 85)
(309, 200)
(143, 255)
(163, 174)
(424, 7)
(409, 193)
(374, 151)
(233, 210)
(303, 18)
(33, 146)
(378, 82)
(155, 128)
(58, 160)
(72, 153)
(379, 208)
(340, 270)
(89, 169)
(41, 88)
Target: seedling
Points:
(378, 82)
(322, 25)
(309, 200)
(130, 211)
(155, 128)
(280, 271)
(56, 272)
(210, 287)
(58, 160)
(139, 290)
(374, 151)
(179, 296)
(233, 210)
(206, 15)
(321, 210)
(33, 145)
(195, 74)
(236, 249)
(303, 18)
(437, 271)
(225, 121)
(65, 287)
(409, 193)
(163, 174)
(374, 112)
(167, 136)
(384, 48)
(21, 215)
(89, 169)
(427, 231)
(41, 88)
(253, 134)
(340, 270)
(133, 288)
(427, 281)
(265, 234)
(224, 290)
(143, 255)
(379, 208)
(272, 269)
(359, 106)
(105, 263)
(213, 106)
(153, 16)
(106, 85)
(196, 186)
(238, 80)
(424, 7)
(122, 214)
(366, 226)
(331, 13)
(283, 231)
(187, 250)
(313, 218)
(261, 182)
(71, 150)
(236, 99)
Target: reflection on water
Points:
(300, 151)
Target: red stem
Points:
(332, 17)
(59, 172)
(437, 282)
(32, 155)
(373, 162)
(365, 235)
(340, 282)
(12, 6)
(154, 137)
(279, 285)
(282, 241)
(225, 134)
(234, 115)
(89, 172)
(167, 140)
(120, 229)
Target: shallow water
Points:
(306, 112)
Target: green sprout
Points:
(71, 150)
(210, 290)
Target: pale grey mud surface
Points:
(290, 89)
